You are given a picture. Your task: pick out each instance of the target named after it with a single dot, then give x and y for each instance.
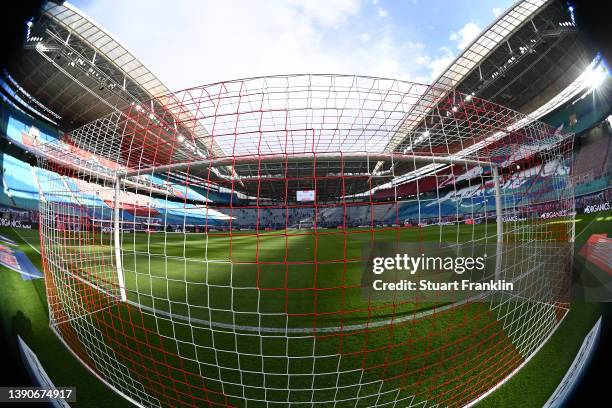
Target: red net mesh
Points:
(211, 247)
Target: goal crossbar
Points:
(292, 158)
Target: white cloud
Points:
(438, 64)
(382, 12)
(497, 11)
(218, 40)
(465, 35)
(332, 13)
(364, 37)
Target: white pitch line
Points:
(24, 240)
(333, 329)
(584, 229)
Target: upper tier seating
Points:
(592, 157)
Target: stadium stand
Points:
(454, 193)
(20, 189)
(463, 194)
(592, 157)
(19, 183)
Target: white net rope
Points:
(207, 248)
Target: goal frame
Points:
(250, 159)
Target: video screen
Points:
(306, 195)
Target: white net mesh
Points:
(207, 248)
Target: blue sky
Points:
(189, 43)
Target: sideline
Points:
(24, 240)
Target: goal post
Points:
(499, 220)
(117, 238)
(305, 224)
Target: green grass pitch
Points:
(187, 276)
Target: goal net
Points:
(210, 247)
(305, 224)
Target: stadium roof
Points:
(79, 70)
(522, 60)
(284, 132)
(81, 73)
